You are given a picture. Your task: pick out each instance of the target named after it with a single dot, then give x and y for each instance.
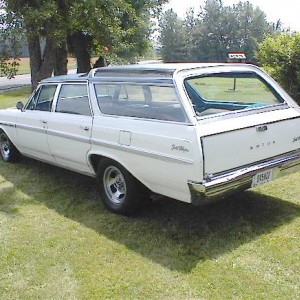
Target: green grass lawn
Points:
(11, 97)
(59, 242)
(243, 90)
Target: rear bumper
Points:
(221, 185)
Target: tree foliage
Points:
(82, 28)
(10, 37)
(173, 37)
(280, 56)
(217, 30)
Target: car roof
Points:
(64, 78)
(161, 69)
(155, 73)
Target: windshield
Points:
(222, 92)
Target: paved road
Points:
(18, 81)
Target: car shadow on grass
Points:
(176, 235)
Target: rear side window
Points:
(131, 93)
(73, 99)
(140, 101)
(229, 91)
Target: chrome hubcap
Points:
(114, 185)
(4, 146)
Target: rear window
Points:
(224, 92)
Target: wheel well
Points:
(3, 131)
(94, 161)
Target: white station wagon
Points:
(192, 132)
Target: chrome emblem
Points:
(296, 139)
(180, 148)
(262, 145)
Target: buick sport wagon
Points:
(191, 132)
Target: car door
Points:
(32, 123)
(69, 129)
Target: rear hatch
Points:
(242, 141)
(244, 116)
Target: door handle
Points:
(44, 121)
(261, 128)
(85, 128)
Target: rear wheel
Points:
(8, 151)
(120, 192)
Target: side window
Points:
(163, 95)
(131, 93)
(73, 99)
(140, 101)
(42, 98)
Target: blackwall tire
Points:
(8, 151)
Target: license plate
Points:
(262, 177)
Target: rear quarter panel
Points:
(162, 155)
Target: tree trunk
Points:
(35, 58)
(79, 43)
(41, 65)
(48, 60)
(61, 60)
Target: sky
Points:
(287, 11)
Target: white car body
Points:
(191, 158)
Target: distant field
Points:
(24, 67)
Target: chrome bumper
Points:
(221, 185)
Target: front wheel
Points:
(8, 151)
(120, 192)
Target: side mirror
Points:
(20, 105)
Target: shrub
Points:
(280, 56)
